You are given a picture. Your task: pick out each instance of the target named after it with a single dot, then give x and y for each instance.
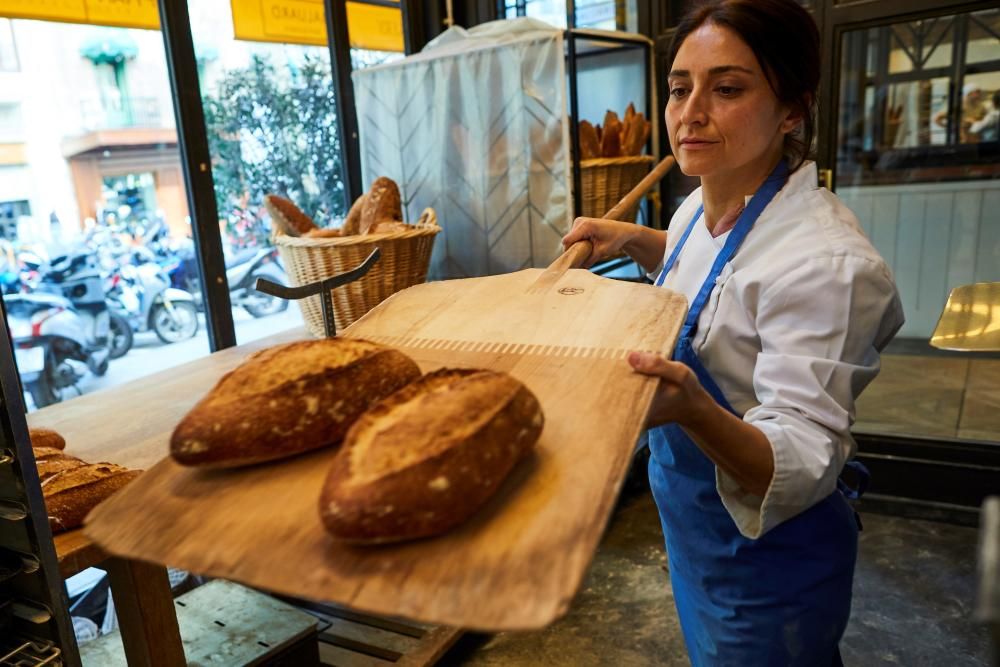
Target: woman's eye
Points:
(678, 92)
(727, 91)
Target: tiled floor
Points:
(952, 397)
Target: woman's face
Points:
(721, 112)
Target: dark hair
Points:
(785, 40)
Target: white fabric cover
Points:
(475, 126)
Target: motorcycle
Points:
(77, 277)
(140, 293)
(56, 344)
(242, 271)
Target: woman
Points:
(789, 307)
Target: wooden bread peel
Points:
(519, 561)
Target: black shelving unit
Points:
(35, 627)
(586, 44)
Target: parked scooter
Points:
(242, 271)
(141, 294)
(55, 344)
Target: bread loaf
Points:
(46, 437)
(325, 233)
(289, 218)
(352, 223)
(71, 494)
(426, 458)
(382, 204)
(590, 144)
(42, 453)
(52, 466)
(288, 399)
(389, 227)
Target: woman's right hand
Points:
(607, 237)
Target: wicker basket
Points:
(605, 180)
(404, 261)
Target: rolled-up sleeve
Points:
(821, 326)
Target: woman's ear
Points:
(795, 116)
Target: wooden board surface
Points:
(519, 561)
(125, 425)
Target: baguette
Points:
(325, 233)
(382, 204)
(389, 227)
(43, 453)
(71, 494)
(590, 144)
(289, 218)
(426, 458)
(288, 399)
(46, 437)
(352, 223)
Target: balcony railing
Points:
(112, 113)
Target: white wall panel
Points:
(935, 236)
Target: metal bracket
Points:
(321, 287)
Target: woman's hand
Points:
(740, 449)
(607, 236)
(643, 244)
(679, 397)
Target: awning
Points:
(109, 45)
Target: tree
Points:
(274, 132)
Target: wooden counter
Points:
(115, 426)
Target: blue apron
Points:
(783, 599)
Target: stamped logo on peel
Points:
(571, 290)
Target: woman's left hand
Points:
(679, 397)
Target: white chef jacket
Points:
(791, 334)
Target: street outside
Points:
(150, 355)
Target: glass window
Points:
(916, 162)
(600, 14)
(8, 48)
(272, 126)
(92, 207)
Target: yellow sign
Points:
(371, 27)
(123, 13)
(374, 27)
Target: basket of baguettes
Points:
(375, 220)
(611, 163)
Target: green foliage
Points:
(274, 131)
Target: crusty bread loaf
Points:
(71, 494)
(288, 399)
(50, 467)
(352, 223)
(42, 453)
(46, 437)
(426, 458)
(382, 204)
(289, 218)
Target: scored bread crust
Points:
(50, 467)
(468, 439)
(71, 494)
(46, 437)
(288, 399)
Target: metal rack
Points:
(35, 627)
